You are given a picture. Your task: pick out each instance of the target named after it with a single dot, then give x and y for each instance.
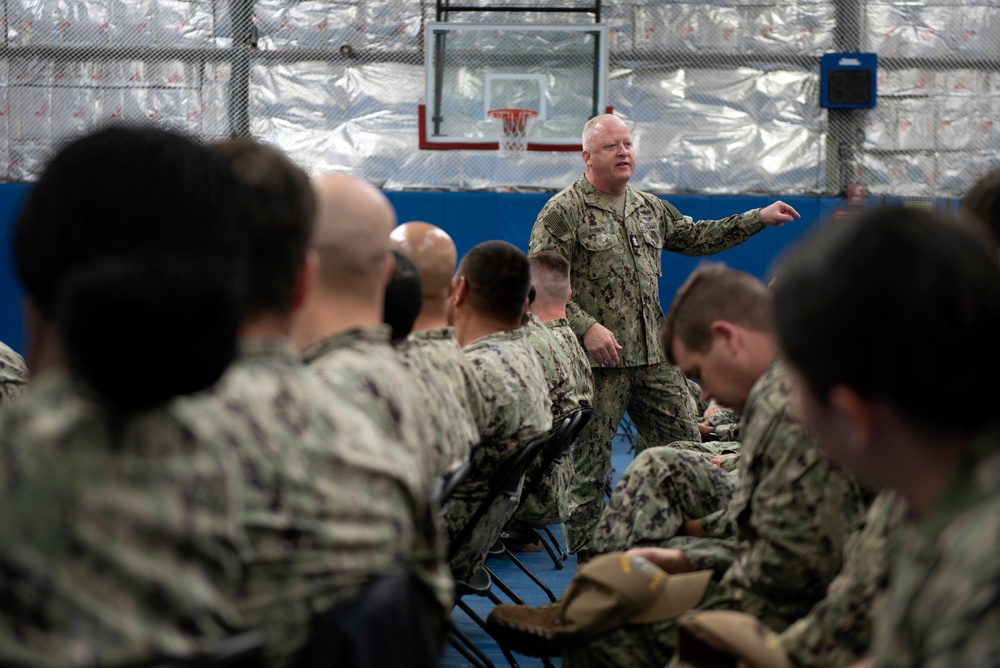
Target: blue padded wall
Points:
(472, 217)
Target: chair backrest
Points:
(581, 417)
(505, 482)
(446, 484)
(551, 452)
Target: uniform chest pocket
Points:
(598, 239)
(652, 237)
(603, 249)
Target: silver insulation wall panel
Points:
(722, 97)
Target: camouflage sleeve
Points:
(730, 462)
(943, 604)
(838, 630)
(705, 237)
(723, 416)
(728, 432)
(716, 554)
(554, 231)
(801, 510)
(718, 524)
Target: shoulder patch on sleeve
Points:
(557, 225)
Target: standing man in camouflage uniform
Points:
(13, 376)
(331, 503)
(339, 329)
(487, 298)
(777, 543)
(613, 237)
(568, 375)
(431, 351)
(857, 303)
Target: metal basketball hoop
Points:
(513, 127)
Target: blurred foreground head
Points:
(133, 264)
(981, 210)
(894, 312)
(280, 215)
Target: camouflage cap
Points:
(621, 588)
(727, 638)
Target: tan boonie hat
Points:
(726, 638)
(619, 588)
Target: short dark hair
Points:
(281, 212)
(146, 291)
(550, 275)
(498, 277)
(901, 307)
(713, 292)
(403, 297)
(550, 261)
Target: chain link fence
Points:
(721, 97)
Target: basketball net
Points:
(513, 126)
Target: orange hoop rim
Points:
(511, 112)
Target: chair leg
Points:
(468, 649)
(556, 560)
(534, 578)
(555, 542)
(478, 620)
(504, 587)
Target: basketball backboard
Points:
(560, 71)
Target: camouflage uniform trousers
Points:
(660, 489)
(662, 410)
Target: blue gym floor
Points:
(541, 565)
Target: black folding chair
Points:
(505, 484)
(446, 485)
(568, 431)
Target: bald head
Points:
(353, 222)
(603, 122)
(433, 253)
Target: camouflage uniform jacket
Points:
(449, 389)
(838, 630)
(578, 357)
(790, 514)
(13, 375)
(363, 367)
(117, 544)
(615, 265)
(330, 502)
(518, 409)
(568, 388)
(943, 605)
(570, 384)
